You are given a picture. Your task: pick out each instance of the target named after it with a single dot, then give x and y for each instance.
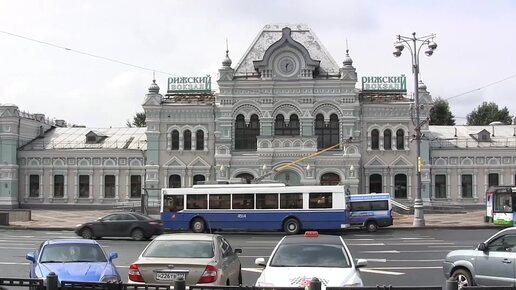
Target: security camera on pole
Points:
(414, 44)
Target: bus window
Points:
(196, 201)
(503, 202)
(220, 201)
(291, 200)
(243, 201)
(173, 202)
(320, 200)
(267, 201)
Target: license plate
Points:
(170, 276)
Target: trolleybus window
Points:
(220, 201)
(243, 201)
(291, 200)
(320, 200)
(267, 201)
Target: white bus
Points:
(255, 207)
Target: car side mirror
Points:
(482, 247)
(113, 256)
(361, 263)
(238, 251)
(260, 262)
(30, 256)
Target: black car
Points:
(121, 224)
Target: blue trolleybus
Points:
(255, 207)
(371, 211)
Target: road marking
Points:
(417, 244)
(381, 252)
(16, 248)
(377, 260)
(255, 270)
(375, 244)
(381, 272)
(403, 268)
(13, 263)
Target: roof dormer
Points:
(94, 137)
(482, 136)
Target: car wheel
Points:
(87, 233)
(198, 225)
(137, 234)
(463, 278)
(291, 227)
(371, 226)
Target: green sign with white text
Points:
(384, 84)
(185, 85)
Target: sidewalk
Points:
(68, 219)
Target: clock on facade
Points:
(287, 66)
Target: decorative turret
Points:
(348, 72)
(226, 63)
(226, 72)
(153, 97)
(154, 88)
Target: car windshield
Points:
(70, 253)
(179, 249)
(302, 255)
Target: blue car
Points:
(73, 260)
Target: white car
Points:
(297, 259)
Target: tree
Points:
(138, 120)
(487, 113)
(440, 113)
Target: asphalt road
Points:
(395, 257)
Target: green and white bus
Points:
(501, 205)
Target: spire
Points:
(227, 61)
(347, 60)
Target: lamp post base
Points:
(419, 218)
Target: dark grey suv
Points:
(491, 263)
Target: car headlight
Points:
(78, 225)
(110, 278)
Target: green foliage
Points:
(487, 113)
(138, 120)
(440, 113)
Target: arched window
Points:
(400, 139)
(175, 140)
(387, 139)
(174, 181)
(400, 186)
(187, 139)
(375, 183)
(330, 179)
(248, 177)
(199, 139)
(294, 125)
(375, 139)
(279, 125)
(327, 135)
(198, 179)
(245, 135)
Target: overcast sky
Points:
(476, 47)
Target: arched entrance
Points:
(247, 176)
(289, 178)
(330, 179)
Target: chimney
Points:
(60, 123)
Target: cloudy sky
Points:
(475, 60)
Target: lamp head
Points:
(399, 46)
(429, 52)
(397, 53)
(432, 45)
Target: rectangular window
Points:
(503, 203)
(173, 202)
(320, 200)
(220, 201)
(136, 186)
(243, 201)
(467, 185)
(369, 205)
(58, 185)
(440, 186)
(492, 179)
(34, 185)
(199, 201)
(109, 186)
(291, 200)
(84, 186)
(267, 201)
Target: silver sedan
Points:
(206, 259)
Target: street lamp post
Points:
(414, 44)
